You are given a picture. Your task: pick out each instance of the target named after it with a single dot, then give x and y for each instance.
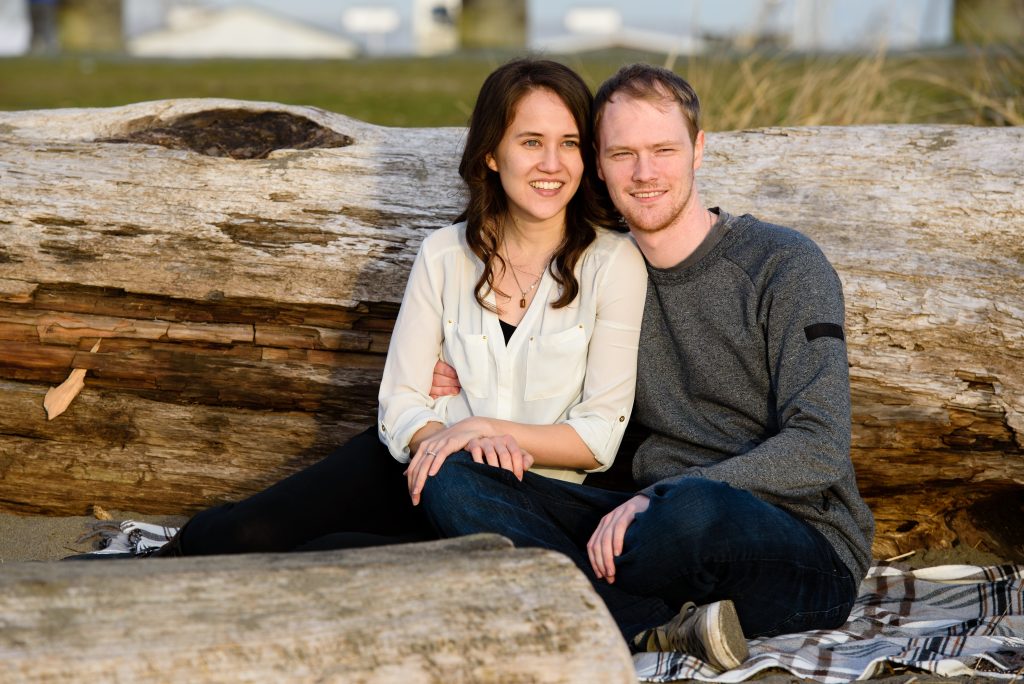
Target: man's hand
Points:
(445, 381)
(606, 542)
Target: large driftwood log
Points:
(466, 610)
(245, 304)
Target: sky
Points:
(839, 24)
(841, 20)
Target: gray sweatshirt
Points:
(743, 379)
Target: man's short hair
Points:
(654, 84)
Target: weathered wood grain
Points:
(149, 455)
(466, 610)
(236, 286)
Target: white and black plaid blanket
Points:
(948, 620)
(128, 537)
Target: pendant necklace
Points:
(522, 301)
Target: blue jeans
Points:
(699, 540)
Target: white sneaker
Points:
(711, 633)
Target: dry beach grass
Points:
(758, 88)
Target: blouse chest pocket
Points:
(556, 364)
(468, 354)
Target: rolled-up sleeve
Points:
(404, 404)
(609, 385)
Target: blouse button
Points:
(622, 418)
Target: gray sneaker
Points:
(711, 633)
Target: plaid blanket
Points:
(128, 537)
(948, 620)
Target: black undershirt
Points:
(507, 329)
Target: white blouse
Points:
(573, 365)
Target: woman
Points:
(535, 305)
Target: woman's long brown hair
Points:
(487, 208)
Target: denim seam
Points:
(718, 562)
(560, 500)
(530, 493)
(800, 618)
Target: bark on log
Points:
(245, 304)
(466, 610)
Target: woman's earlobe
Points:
(491, 163)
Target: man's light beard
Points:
(672, 219)
(655, 228)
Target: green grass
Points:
(739, 90)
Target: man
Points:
(748, 522)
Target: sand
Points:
(38, 538)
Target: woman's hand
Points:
(470, 434)
(435, 447)
(500, 451)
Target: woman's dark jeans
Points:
(357, 496)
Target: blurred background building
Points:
(344, 28)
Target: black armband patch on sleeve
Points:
(817, 330)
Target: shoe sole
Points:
(726, 640)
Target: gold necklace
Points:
(522, 301)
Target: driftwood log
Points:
(466, 610)
(243, 262)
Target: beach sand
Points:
(40, 538)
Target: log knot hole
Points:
(234, 133)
